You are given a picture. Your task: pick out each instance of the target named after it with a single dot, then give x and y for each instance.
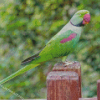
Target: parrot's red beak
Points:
(86, 19)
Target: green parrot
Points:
(60, 45)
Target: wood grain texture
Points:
(75, 67)
(63, 85)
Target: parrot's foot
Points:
(68, 63)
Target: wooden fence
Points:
(64, 83)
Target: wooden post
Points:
(98, 89)
(63, 83)
(75, 67)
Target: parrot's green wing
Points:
(60, 45)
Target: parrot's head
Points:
(80, 18)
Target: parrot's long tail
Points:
(21, 71)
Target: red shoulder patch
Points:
(72, 36)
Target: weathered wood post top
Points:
(64, 82)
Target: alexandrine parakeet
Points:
(60, 45)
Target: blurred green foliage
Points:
(27, 25)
